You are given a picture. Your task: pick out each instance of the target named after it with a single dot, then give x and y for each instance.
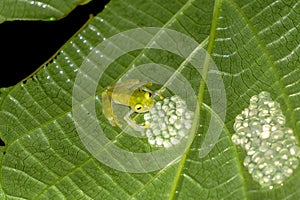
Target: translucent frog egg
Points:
(167, 122)
(272, 150)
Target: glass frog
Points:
(132, 93)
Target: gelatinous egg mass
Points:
(167, 122)
(272, 150)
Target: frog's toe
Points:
(159, 93)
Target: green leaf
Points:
(255, 46)
(37, 10)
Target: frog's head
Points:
(143, 102)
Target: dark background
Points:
(26, 45)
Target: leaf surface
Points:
(36, 10)
(255, 46)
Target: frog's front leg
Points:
(159, 93)
(133, 123)
(108, 110)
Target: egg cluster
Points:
(272, 151)
(167, 122)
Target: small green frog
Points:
(132, 93)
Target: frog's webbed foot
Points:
(133, 123)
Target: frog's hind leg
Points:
(130, 83)
(108, 110)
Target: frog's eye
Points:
(138, 107)
(148, 95)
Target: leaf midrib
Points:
(200, 94)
